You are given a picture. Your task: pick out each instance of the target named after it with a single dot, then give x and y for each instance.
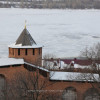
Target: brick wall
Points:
(80, 87)
(10, 71)
(33, 59)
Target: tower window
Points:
(13, 51)
(25, 51)
(33, 51)
(39, 51)
(10, 51)
(18, 51)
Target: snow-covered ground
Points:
(63, 33)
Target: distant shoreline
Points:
(51, 4)
(54, 8)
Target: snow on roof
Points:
(83, 62)
(74, 76)
(54, 64)
(41, 68)
(75, 65)
(10, 61)
(61, 64)
(20, 46)
(82, 67)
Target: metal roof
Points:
(25, 39)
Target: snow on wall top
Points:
(10, 61)
(63, 65)
(74, 76)
(38, 67)
(20, 46)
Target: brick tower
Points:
(25, 47)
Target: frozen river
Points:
(64, 33)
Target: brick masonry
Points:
(33, 59)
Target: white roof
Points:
(82, 67)
(20, 46)
(10, 61)
(51, 64)
(74, 76)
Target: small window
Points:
(9, 51)
(13, 51)
(25, 51)
(18, 51)
(33, 51)
(39, 51)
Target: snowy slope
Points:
(62, 32)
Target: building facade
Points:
(25, 55)
(25, 47)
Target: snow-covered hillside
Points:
(62, 32)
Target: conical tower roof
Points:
(25, 39)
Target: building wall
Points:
(9, 72)
(33, 59)
(58, 87)
(80, 87)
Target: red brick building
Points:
(26, 55)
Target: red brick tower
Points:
(25, 47)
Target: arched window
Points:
(2, 87)
(91, 94)
(69, 94)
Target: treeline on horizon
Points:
(52, 4)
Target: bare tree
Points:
(49, 56)
(27, 86)
(48, 61)
(92, 53)
(93, 75)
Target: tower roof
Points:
(25, 39)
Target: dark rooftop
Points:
(82, 62)
(25, 39)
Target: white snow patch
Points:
(74, 76)
(41, 68)
(82, 67)
(66, 36)
(10, 61)
(54, 64)
(20, 46)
